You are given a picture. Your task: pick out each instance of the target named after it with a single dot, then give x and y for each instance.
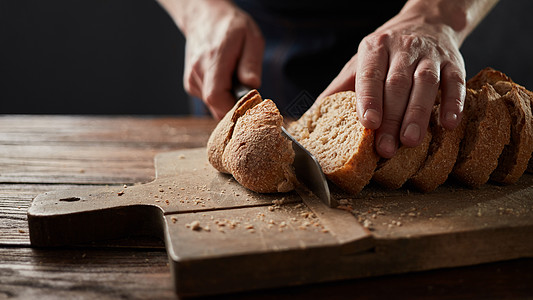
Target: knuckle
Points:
(427, 76)
(454, 103)
(371, 74)
(393, 121)
(375, 42)
(410, 42)
(456, 76)
(399, 80)
(418, 110)
(210, 99)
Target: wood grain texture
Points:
(128, 273)
(91, 150)
(454, 226)
(66, 151)
(27, 273)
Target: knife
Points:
(306, 167)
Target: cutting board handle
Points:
(82, 216)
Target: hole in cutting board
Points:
(70, 199)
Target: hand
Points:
(221, 40)
(397, 72)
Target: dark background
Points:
(126, 57)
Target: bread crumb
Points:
(194, 225)
(367, 223)
(120, 193)
(21, 231)
(174, 219)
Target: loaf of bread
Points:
(392, 173)
(487, 132)
(442, 154)
(332, 132)
(247, 143)
(494, 140)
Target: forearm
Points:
(457, 17)
(182, 10)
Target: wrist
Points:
(455, 18)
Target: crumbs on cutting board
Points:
(277, 218)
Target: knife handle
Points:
(238, 89)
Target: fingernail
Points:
(387, 144)
(451, 117)
(412, 132)
(371, 115)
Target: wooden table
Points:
(44, 153)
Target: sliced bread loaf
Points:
(487, 132)
(442, 154)
(392, 173)
(257, 155)
(331, 131)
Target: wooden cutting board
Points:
(223, 238)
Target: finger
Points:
(395, 98)
(345, 81)
(217, 81)
(192, 76)
(216, 90)
(425, 87)
(193, 83)
(453, 95)
(371, 70)
(250, 63)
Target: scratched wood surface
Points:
(43, 153)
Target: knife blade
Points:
(306, 167)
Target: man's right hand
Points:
(222, 40)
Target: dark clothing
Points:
(308, 43)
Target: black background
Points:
(126, 56)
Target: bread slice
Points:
(517, 98)
(344, 148)
(221, 135)
(442, 154)
(487, 75)
(487, 132)
(516, 155)
(392, 173)
(257, 155)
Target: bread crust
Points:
(487, 75)
(392, 173)
(221, 135)
(487, 132)
(516, 155)
(442, 154)
(327, 130)
(257, 155)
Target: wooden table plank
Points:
(106, 273)
(89, 150)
